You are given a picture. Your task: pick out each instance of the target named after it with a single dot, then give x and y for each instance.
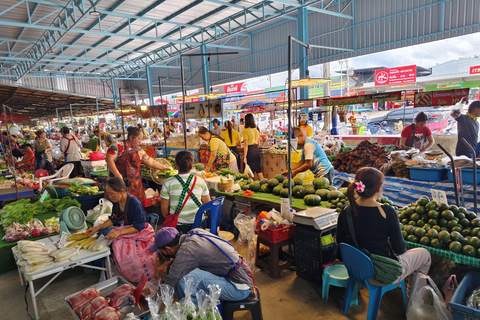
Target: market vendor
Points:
(126, 211)
(313, 158)
(251, 151)
(233, 139)
(43, 152)
(216, 127)
(125, 162)
(209, 259)
(70, 146)
(175, 190)
(220, 155)
(304, 126)
(28, 160)
(418, 135)
(467, 126)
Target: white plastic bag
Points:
(248, 171)
(426, 302)
(104, 207)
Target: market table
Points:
(7, 262)
(56, 269)
(402, 191)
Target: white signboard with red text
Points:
(406, 74)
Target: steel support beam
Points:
(205, 75)
(114, 93)
(20, 33)
(302, 25)
(149, 86)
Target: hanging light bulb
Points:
(94, 12)
(143, 106)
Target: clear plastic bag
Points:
(203, 303)
(214, 300)
(190, 309)
(426, 302)
(100, 244)
(246, 227)
(154, 302)
(104, 207)
(167, 293)
(473, 300)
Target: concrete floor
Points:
(288, 297)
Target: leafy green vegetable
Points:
(81, 190)
(167, 173)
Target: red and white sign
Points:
(475, 70)
(398, 75)
(235, 87)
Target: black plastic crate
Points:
(310, 255)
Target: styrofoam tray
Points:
(108, 286)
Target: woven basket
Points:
(223, 186)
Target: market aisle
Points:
(289, 297)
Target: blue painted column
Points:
(149, 86)
(114, 93)
(302, 24)
(205, 76)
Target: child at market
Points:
(376, 226)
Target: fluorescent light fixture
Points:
(94, 12)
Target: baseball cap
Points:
(163, 237)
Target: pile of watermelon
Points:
(441, 226)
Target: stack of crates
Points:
(311, 256)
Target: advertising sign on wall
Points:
(475, 70)
(406, 74)
(440, 98)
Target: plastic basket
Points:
(310, 255)
(427, 174)
(467, 175)
(153, 201)
(275, 235)
(459, 310)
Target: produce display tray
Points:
(455, 257)
(84, 256)
(108, 286)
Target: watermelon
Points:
(272, 183)
(321, 183)
(280, 178)
(284, 193)
(285, 183)
(263, 181)
(343, 190)
(199, 166)
(334, 194)
(309, 190)
(298, 192)
(277, 190)
(312, 200)
(298, 182)
(255, 187)
(264, 188)
(322, 193)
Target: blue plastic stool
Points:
(152, 219)
(337, 276)
(360, 270)
(215, 207)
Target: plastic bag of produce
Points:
(132, 254)
(100, 244)
(214, 301)
(89, 310)
(426, 302)
(167, 293)
(246, 227)
(473, 300)
(154, 302)
(84, 297)
(190, 309)
(104, 207)
(131, 316)
(203, 304)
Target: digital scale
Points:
(320, 218)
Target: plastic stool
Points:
(337, 276)
(252, 304)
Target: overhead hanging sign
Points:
(475, 70)
(196, 110)
(406, 74)
(440, 98)
(235, 87)
(369, 98)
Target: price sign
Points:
(63, 239)
(439, 196)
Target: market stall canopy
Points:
(39, 103)
(160, 101)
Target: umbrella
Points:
(256, 103)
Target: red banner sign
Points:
(235, 87)
(440, 98)
(398, 75)
(475, 70)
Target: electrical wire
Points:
(26, 301)
(206, 62)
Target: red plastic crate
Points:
(275, 235)
(151, 201)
